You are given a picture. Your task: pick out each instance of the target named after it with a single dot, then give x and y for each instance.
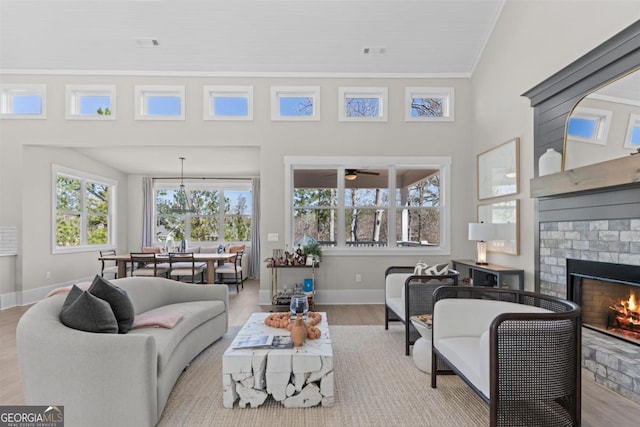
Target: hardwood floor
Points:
(600, 406)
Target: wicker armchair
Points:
(519, 351)
(408, 295)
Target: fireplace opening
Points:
(609, 295)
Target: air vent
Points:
(147, 42)
(374, 50)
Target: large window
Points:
(83, 211)
(370, 204)
(222, 212)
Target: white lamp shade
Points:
(482, 231)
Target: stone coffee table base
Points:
(298, 378)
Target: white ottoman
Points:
(422, 347)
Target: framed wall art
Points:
(505, 216)
(498, 170)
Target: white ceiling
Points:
(429, 38)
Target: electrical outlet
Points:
(358, 278)
(272, 237)
(48, 275)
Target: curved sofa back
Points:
(147, 293)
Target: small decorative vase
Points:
(550, 162)
(298, 332)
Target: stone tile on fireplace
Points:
(612, 363)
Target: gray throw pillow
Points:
(118, 299)
(86, 312)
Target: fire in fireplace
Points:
(606, 293)
(625, 317)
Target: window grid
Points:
(400, 224)
(83, 211)
(223, 214)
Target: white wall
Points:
(266, 143)
(531, 41)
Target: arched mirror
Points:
(605, 124)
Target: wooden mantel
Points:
(612, 173)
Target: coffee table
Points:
(298, 377)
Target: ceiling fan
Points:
(352, 174)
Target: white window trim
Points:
(278, 92)
(191, 185)
(448, 93)
(603, 119)
(634, 122)
(210, 92)
(74, 173)
(363, 92)
(341, 163)
(141, 92)
(72, 99)
(7, 91)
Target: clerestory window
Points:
(96, 102)
(159, 103)
(589, 125)
(228, 103)
(23, 101)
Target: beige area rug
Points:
(376, 385)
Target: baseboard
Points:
(337, 297)
(32, 296)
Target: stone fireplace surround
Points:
(607, 360)
(592, 212)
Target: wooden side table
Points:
(489, 275)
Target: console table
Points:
(274, 283)
(490, 274)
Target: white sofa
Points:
(518, 350)
(118, 379)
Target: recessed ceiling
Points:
(253, 37)
(199, 162)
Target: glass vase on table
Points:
(299, 305)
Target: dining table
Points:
(123, 260)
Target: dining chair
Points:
(184, 265)
(146, 264)
(235, 268)
(108, 267)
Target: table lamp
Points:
(481, 232)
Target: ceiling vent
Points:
(374, 50)
(147, 42)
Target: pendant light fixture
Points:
(184, 202)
